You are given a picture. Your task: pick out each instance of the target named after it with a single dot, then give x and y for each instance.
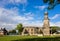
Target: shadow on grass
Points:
(40, 39)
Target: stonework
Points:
(45, 30)
(46, 25)
(31, 30)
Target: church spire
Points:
(46, 15)
(46, 25)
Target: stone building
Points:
(45, 30)
(29, 30)
(46, 25)
(1, 32)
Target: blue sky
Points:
(27, 12)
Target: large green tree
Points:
(54, 29)
(51, 3)
(12, 31)
(19, 28)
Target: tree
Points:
(54, 29)
(19, 28)
(51, 3)
(12, 32)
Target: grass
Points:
(10, 38)
(29, 38)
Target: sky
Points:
(27, 12)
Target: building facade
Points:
(45, 30)
(29, 30)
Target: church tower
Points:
(46, 25)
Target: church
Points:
(45, 30)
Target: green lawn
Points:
(29, 38)
(10, 38)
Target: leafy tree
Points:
(54, 29)
(19, 28)
(51, 3)
(12, 31)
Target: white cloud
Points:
(18, 1)
(52, 24)
(33, 23)
(55, 16)
(6, 17)
(22, 18)
(55, 24)
(7, 26)
(3, 3)
(41, 7)
(11, 17)
(29, 14)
